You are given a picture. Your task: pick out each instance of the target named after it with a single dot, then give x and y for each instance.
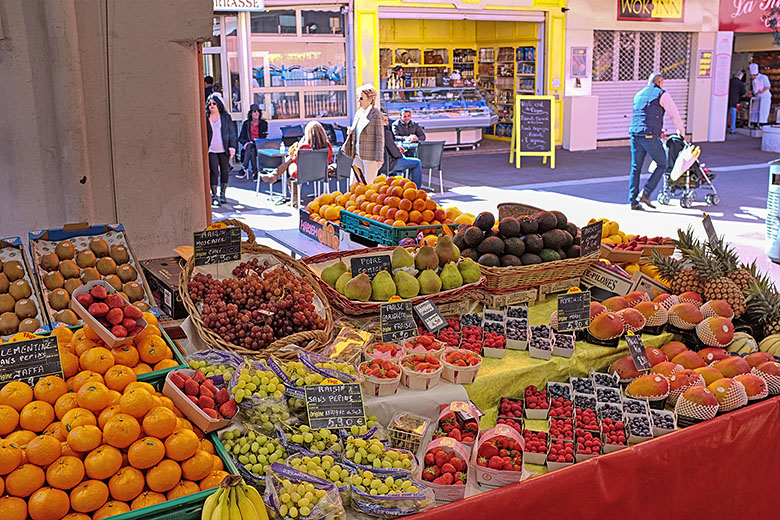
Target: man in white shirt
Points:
(762, 91)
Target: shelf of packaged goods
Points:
(525, 92)
(487, 62)
(526, 75)
(526, 61)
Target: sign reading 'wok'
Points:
(650, 10)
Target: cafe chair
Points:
(312, 167)
(429, 153)
(268, 164)
(343, 171)
(291, 134)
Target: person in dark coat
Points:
(221, 137)
(407, 130)
(396, 160)
(736, 91)
(255, 127)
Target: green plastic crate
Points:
(383, 234)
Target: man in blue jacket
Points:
(646, 131)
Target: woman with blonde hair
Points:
(365, 141)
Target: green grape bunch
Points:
(340, 366)
(262, 383)
(298, 500)
(314, 440)
(300, 375)
(356, 431)
(325, 468)
(210, 370)
(372, 452)
(255, 451)
(372, 484)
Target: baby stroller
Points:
(687, 175)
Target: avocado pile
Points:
(545, 236)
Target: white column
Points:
(721, 74)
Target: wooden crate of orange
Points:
(101, 444)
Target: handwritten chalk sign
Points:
(533, 128)
(397, 321)
(573, 311)
(216, 246)
(709, 227)
(637, 350)
(590, 242)
(431, 317)
(371, 265)
(335, 406)
(29, 360)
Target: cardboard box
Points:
(326, 234)
(505, 299)
(548, 289)
(604, 283)
(162, 274)
(641, 282)
(11, 249)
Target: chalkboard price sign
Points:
(216, 246)
(371, 265)
(397, 322)
(536, 125)
(637, 349)
(590, 242)
(712, 236)
(335, 406)
(430, 316)
(573, 311)
(29, 360)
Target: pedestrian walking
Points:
(646, 131)
(762, 91)
(736, 91)
(254, 127)
(221, 133)
(365, 141)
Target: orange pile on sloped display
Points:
(96, 450)
(395, 201)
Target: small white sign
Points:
(238, 5)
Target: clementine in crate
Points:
(83, 377)
(77, 516)
(94, 396)
(214, 479)
(21, 437)
(77, 417)
(142, 368)
(10, 456)
(43, 450)
(67, 450)
(15, 508)
(111, 508)
(70, 364)
(166, 363)
(9, 419)
(146, 499)
(65, 472)
(141, 384)
(85, 438)
(217, 463)
(81, 346)
(198, 466)
(181, 444)
(63, 334)
(56, 430)
(182, 489)
(24, 480)
(102, 462)
(88, 496)
(121, 430)
(47, 504)
(107, 414)
(145, 453)
(65, 403)
(16, 395)
(126, 355)
(159, 422)
(118, 377)
(152, 349)
(126, 484)
(36, 416)
(136, 402)
(97, 359)
(164, 476)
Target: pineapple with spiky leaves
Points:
(715, 284)
(679, 278)
(763, 305)
(740, 274)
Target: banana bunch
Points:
(236, 501)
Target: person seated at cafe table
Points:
(405, 129)
(396, 160)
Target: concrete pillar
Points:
(101, 120)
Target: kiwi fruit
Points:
(9, 323)
(89, 274)
(72, 284)
(141, 305)
(1, 265)
(99, 247)
(114, 281)
(6, 303)
(106, 265)
(50, 262)
(13, 270)
(126, 273)
(68, 317)
(25, 308)
(4, 283)
(120, 254)
(123, 295)
(53, 280)
(20, 289)
(69, 269)
(134, 291)
(59, 299)
(65, 250)
(86, 258)
(29, 325)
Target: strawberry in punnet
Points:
(472, 339)
(509, 421)
(508, 454)
(424, 363)
(423, 344)
(444, 467)
(450, 335)
(431, 472)
(445, 480)
(535, 399)
(494, 340)
(380, 368)
(462, 358)
(384, 350)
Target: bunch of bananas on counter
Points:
(234, 500)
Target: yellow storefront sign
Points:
(650, 10)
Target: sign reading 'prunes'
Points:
(335, 406)
(371, 265)
(216, 246)
(590, 242)
(29, 360)
(397, 321)
(573, 311)
(536, 125)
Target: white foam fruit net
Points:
(772, 381)
(680, 323)
(675, 394)
(697, 303)
(660, 317)
(670, 302)
(632, 328)
(736, 397)
(686, 408)
(706, 336)
(708, 312)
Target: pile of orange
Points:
(97, 446)
(84, 350)
(395, 201)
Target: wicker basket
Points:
(312, 340)
(515, 209)
(356, 308)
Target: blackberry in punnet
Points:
(605, 380)
(563, 340)
(493, 315)
(494, 327)
(634, 406)
(611, 412)
(662, 420)
(607, 395)
(517, 329)
(640, 426)
(559, 390)
(582, 385)
(467, 320)
(584, 401)
(519, 311)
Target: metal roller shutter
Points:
(622, 62)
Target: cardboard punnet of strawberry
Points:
(498, 457)
(446, 469)
(453, 425)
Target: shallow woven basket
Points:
(515, 209)
(356, 308)
(312, 340)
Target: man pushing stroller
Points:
(646, 131)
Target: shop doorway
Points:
(622, 63)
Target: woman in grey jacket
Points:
(365, 141)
